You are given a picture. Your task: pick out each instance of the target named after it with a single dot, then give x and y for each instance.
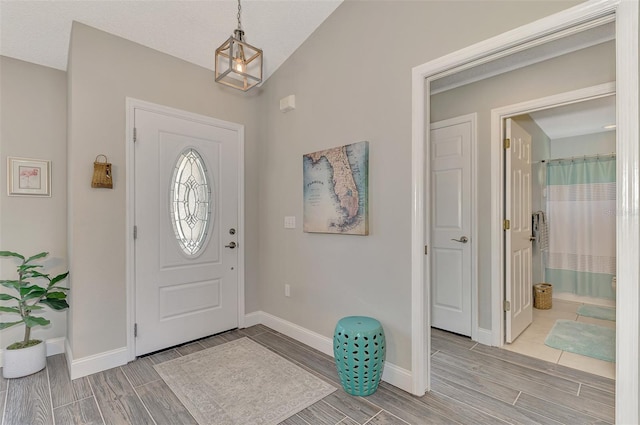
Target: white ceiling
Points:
(38, 31)
(577, 119)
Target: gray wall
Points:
(103, 70)
(33, 124)
(352, 81)
(587, 144)
(584, 68)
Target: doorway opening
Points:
(625, 15)
(568, 233)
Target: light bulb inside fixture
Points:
(239, 65)
(239, 61)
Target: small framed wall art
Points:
(28, 177)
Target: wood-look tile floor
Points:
(471, 384)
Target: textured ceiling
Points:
(38, 31)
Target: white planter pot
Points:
(25, 361)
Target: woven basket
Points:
(542, 295)
(102, 173)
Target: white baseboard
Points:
(95, 363)
(398, 377)
(392, 374)
(305, 336)
(253, 319)
(484, 336)
(54, 346)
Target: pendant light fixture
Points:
(238, 64)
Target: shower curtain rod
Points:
(577, 158)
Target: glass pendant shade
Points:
(238, 64)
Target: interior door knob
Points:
(463, 239)
(231, 245)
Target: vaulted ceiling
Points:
(39, 31)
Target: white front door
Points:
(451, 247)
(518, 273)
(186, 218)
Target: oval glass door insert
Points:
(190, 199)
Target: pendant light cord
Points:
(239, 10)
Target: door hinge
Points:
(426, 250)
(507, 143)
(135, 232)
(135, 330)
(506, 224)
(135, 134)
(507, 305)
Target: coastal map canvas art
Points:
(336, 186)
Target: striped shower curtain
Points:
(581, 205)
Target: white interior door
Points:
(451, 256)
(186, 216)
(518, 273)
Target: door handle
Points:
(231, 245)
(463, 239)
(532, 238)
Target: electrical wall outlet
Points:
(287, 290)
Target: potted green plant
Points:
(29, 355)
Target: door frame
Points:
(131, 105)
(625, 14)
(473, 120)
(498, 115)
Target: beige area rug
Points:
(240, 383)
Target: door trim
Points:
(131, 105)
(473, 120)
(628, 191)
(498, 115)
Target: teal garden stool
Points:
(359, 351)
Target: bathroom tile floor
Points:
(531, 341)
